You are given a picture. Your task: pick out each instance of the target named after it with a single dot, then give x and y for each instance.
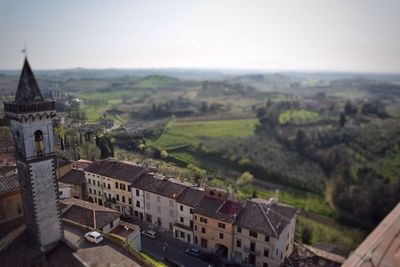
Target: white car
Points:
(150, 234)
(94, 237)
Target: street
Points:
(175, 248)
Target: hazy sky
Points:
(342, 35)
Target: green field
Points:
(300, 116)
(178, 134)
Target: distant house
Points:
(93, 216)
(65, 190)
(75, 179)
(264, 233)
(10, 198)
(89, 215)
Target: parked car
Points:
(94, 237)
(150, 234)
(195, 252)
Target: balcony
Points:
(248, 250)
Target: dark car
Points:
(195, 252)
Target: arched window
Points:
(39, 143)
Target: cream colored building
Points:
(158, 204)
(185, 203)
(264, 233)
(109, 183)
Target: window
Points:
(104, 185)
(221, 236)
(108, 186)
(265, 264)
(181, 219)
(266, 253)
(221, 225)
(181, 207)
(266, 238)
(239, 243)
(211, 193)
(191, 224)
(182, 234)
(105, 194)
(89, 181)
(109, 196)
(123, 199)
(137, 192)
(203, 243)
(99, 193)
(116, 184)
(95, 200)
(39, 142)
(90, 190)
(252, 246)
(130, 201)
(195, 217)
(203, 220)
(136, 213)
(117, 197)
(98, 183)
(253, 234)
(138, 204)
(191, 211)
(195, 227)
(203, 230)
(148, 217)
(95, 192)
(122, 186)
(239, 229)
(129, 189)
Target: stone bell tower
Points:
(32, 128)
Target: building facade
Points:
(185, 203)
(10, 199)
(109, 183)
(264, 233)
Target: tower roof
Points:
(28, 89)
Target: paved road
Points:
(76, 236)
(174, 250)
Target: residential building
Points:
(75, 179)
(185, 203)
(159, 199)
(109, 183)
(10, 198)
(89, 215)
(264, 233)
(64, 190)
(214, 217)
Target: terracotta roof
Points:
(116, 169)
(308, 256)
(28, 89)
(190, 197)
(75, 177)
(268, 218)
(81, 164)
(9, 183)
(148, 182)
(81, 212)
(218, 209)
(382, 246)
